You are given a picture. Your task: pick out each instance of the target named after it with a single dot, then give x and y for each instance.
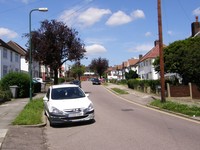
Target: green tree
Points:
(99, 65)
(183, 57)
(78, 70)
(54, 43)
(131, 75)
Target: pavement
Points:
(32, 137)
(9, 134)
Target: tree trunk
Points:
(55, 76)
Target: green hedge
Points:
(141, 84)
(5, 96)
(123, 81)
(20, 79)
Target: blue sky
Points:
(113, 29)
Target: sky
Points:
(116, 30)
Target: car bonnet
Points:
(70, 103)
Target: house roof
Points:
(109, 69)
(17, 48)
(125, 64)
(153, 53)
(3, 44)
(197, 34)
(132, 61)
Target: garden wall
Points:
(190, 90)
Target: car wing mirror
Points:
(87, 94)
(45, 98)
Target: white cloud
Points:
(120, 17)
(26, 1)
(196, 12)
(100, 41)
(169, 32)
(95, 49)
(147, 34)
(137, 14)
(92, 15)
(141, 48)
(7, 33)
(86, 18)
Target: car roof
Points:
(63, 85)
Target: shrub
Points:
(113, 80)
(141, 84)
(69, 79)
(123, 81)
(22, 80)
(5, 95)
(37, 87)
(61, 80)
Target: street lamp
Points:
(30, 47)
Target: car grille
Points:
(75, 110)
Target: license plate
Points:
(76, 114)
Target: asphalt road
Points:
(122, 125)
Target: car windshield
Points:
(67, 93)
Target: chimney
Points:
(156, 42)
(195, 26)
(140, 56)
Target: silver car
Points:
(67, 103)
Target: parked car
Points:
(67, 103)
(76, 82)
(96, 81)
(38, 79)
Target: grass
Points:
(177, 107)
(119, 91)
(31, 114)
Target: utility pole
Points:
(162, 78)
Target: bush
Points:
(22, 80)
(61, 80)
(141, 84)
(37, 87)
(123, 81)
(5, 95)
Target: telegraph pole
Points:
(162, 78)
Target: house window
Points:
(11, 58)
(149, 62)
(16, 57)
(16, 70)
(5, 70)
(5, 53)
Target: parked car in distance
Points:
(96, 81)
(66, 103)
(38, 79)
(76, 82)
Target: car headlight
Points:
(56, 111)
(90, 107)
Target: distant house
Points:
(118, 71)
(24, 63)
(22, 52)
(146, 70)
(112, 73)
(10, 59)
(133, 64)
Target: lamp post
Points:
(30, 47)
